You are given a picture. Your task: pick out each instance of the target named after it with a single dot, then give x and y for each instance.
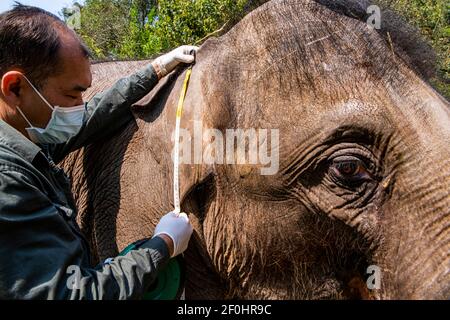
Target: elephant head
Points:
(357, 204)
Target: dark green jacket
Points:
(42, 252)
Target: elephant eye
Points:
(349, 170)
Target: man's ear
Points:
(11, 87)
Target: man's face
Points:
(63, 89)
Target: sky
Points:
(54, 6)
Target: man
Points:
(44, 69)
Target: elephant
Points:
(358, 206)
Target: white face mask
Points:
(63, 125)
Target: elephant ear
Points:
(151, 106)
(105, 74)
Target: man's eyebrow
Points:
(80, 88)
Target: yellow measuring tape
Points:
(183, 93)
(176, 159)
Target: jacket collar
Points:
(12, 138)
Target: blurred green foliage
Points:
(432, 18)
(133, 29)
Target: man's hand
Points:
(164, 64)
(178, 229)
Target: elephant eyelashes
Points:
(349, 170)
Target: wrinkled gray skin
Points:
(309, 231)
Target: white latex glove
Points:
(178, 228)
(167, 62)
